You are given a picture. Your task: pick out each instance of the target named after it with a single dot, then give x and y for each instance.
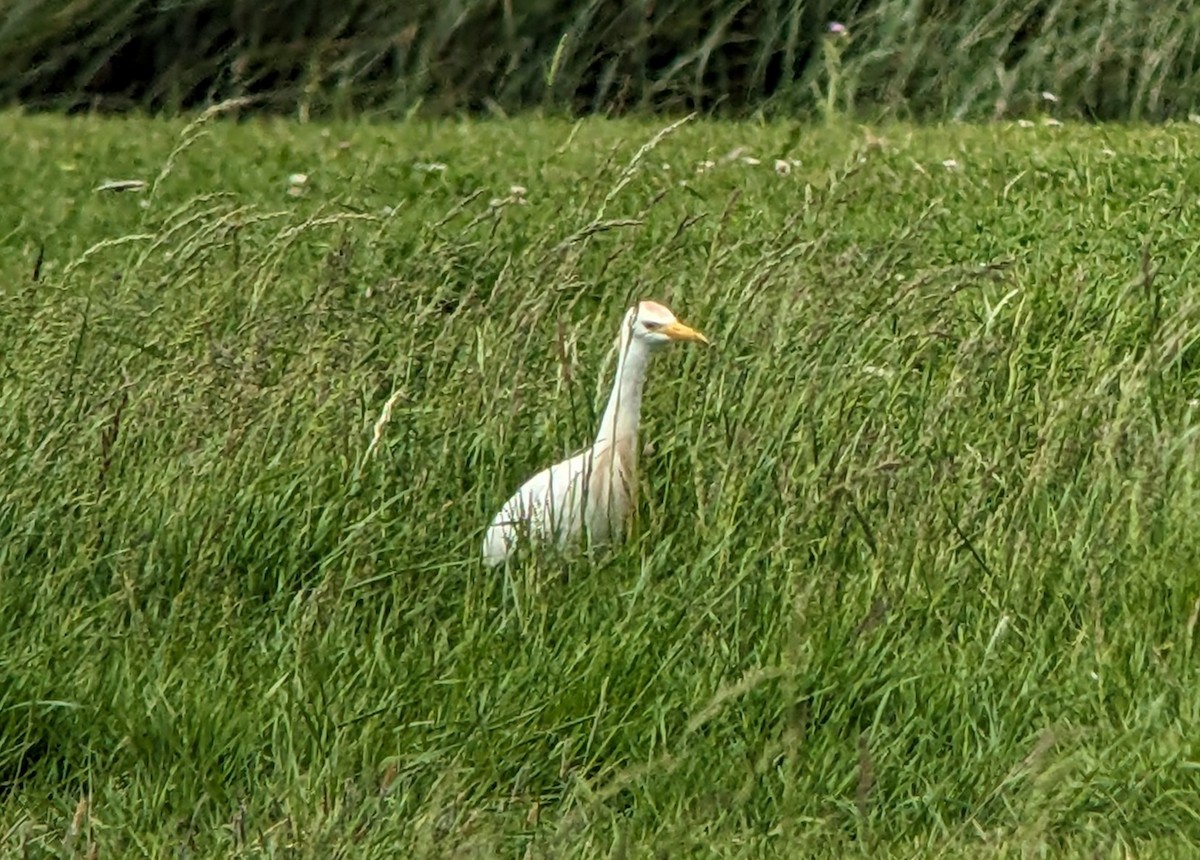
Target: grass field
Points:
(917, 570)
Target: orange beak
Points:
(679, 331)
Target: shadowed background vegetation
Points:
(1122, 59)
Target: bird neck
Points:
(624, 411)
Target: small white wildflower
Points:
(751, 160)
(1051, 121)
(705, 165)
(1025, 123)
(795, 162)
(1194, 117)
(518, 191)
(735, 153)
(950, 164)
(666, 166)
(145, 204)
(387, 210)
(782, 167)
(1106, 151)
(1049, 96)
(297, 179)
(1194, 402)
(295, 190)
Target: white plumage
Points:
(591, 494)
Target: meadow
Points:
(917, 562)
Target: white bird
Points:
(591, 494)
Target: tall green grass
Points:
(938, 60)
(916, 563)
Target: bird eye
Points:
(650, 324)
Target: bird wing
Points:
(549, 506)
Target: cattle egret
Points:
(592, 493)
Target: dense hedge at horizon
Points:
(927, 60)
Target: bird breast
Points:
(610, 493)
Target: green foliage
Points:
(961, 60)
(915, 567)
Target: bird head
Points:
(656, 326)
